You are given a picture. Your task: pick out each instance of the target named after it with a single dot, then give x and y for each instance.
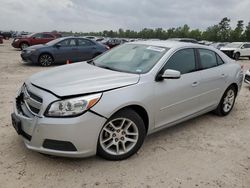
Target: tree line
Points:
(221, 32)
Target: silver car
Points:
(107, 106)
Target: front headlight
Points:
(72, 107)
(30, 51)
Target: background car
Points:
(218, 45)
(112, 42)
(1, 39)
(237, 49)
(183, 40)
(60, 50)
(6, 34)
(33, 39)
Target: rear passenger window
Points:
(219, 60)
(47, 36)
(83, 42)
(183, 61)
(208, 59)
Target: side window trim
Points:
(199, 57)
(160, 72)
(217, 56)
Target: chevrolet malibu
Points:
(108, 105)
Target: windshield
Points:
(233, 45)
(132, 58)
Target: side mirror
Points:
(242, 47)
(57, 45)
(34, 37)
(171, 74)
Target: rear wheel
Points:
(121, 136)
(45, 60)
(24, 45)
(237, 56)
(227, 102)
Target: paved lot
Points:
(208, 151)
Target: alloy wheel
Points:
(228, 101)
(46, 60)
(119, 136)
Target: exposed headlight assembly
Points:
(72, 107)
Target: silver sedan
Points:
(107, 106)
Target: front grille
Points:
(29, 103)
(229, 53)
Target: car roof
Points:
(171, 44)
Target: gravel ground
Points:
(208, 151)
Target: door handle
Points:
(194, 84)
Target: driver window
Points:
(183, 61)
(38, 35)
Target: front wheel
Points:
(121, 136)
(227, 102)
(24, 45)
(45, 60)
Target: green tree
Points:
(224, 30)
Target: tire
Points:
(24, 45)
(45, 60)
(227, 102)
(237, 56)
(121, 136)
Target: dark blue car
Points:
(61, 50)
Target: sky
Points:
(99, 15)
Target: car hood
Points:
(227, 49)
(81, 78)
(38, 46)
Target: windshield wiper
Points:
(92, 62)
(107, 67)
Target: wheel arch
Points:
(42, 53)
(141, 111)
(25, 41)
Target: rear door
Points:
(178, 98)
(213, 78)
(86, 49)
(67, 50)
(36, 39)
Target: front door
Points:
(67, 50)
(178, 98)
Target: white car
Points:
(109, 104)
(237, 49)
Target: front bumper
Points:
(29, 57)
(81, 132)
